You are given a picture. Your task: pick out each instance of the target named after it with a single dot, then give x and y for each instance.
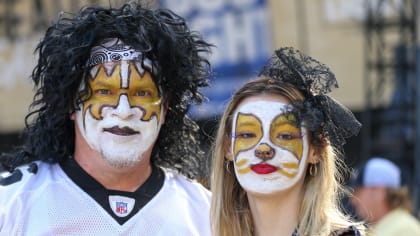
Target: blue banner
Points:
(240, 31)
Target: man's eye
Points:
(142, 93)
(245, 135)
(103, 92)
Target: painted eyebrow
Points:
(247, 123)
(101, 83)
(254, 122)
(142, 86)
(283, 121)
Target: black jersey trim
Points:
(100, 194)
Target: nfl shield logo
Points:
(121, 207)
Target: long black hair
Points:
(161, 36)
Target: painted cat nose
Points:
(264, 152)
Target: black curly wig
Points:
(161, 35)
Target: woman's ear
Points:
(228, 150)
(314, 154)
(228, 155)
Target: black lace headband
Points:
(326, 117)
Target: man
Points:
(110, 140)
(382, 200)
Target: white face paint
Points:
(269, 150)
(123, 117)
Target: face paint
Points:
(269, 150)
(111, 80)
(122, 118)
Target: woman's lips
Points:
(263, 168)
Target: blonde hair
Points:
(399, 198)
(230, 212)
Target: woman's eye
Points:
(287, 136)
(103, 92)
(245, 135)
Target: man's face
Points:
(368, 202)
(269, 149)
(122, 118)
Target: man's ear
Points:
(165, 108)
(73, 116)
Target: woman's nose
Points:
(264, 151)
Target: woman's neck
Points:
(276, 214)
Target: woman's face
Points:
(269, 148)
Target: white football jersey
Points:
(50, 203)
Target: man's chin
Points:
(120, 139)
(121, 162)
(121, 158)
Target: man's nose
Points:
(123, 110)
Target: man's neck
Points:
(123, 179)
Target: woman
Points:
(276, 155)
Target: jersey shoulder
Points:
(184, 185)
(17, 175)
(25, 178)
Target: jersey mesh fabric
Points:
(49, 203)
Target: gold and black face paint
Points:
(117, 70)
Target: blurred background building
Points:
(371, 46)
